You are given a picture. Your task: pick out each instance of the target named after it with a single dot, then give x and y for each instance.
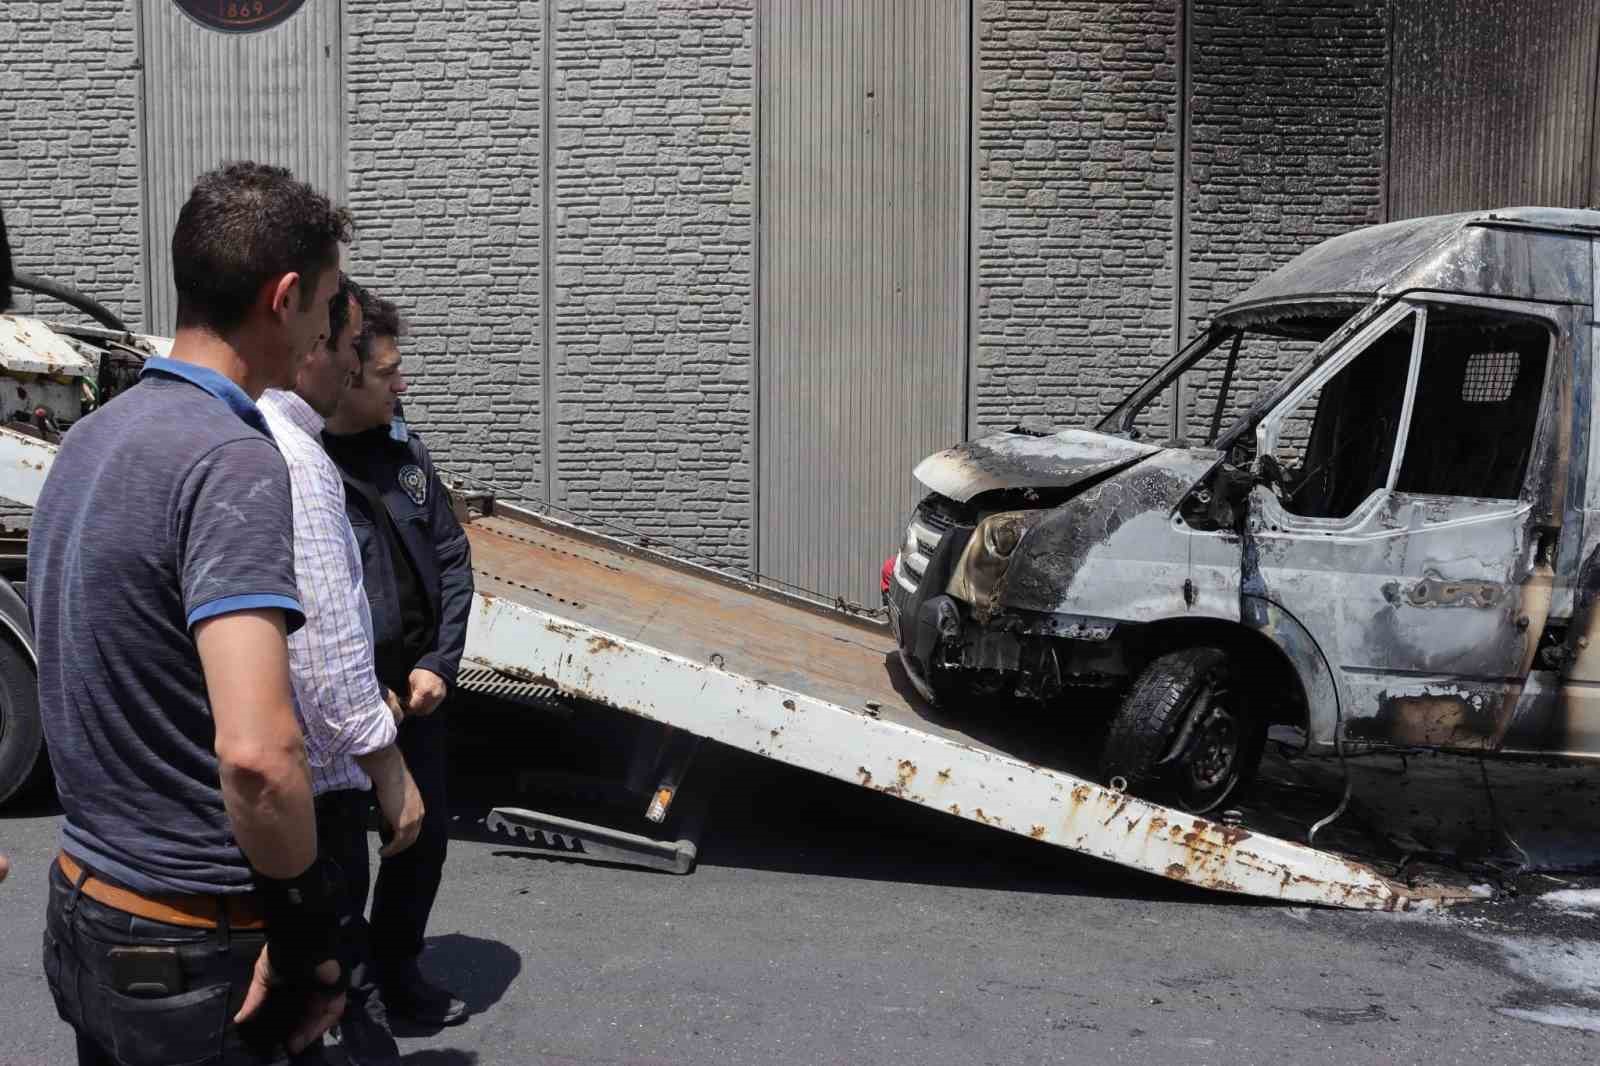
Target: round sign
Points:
(239, 15)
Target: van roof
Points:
(1530, 253)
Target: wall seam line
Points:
(1180, 244)
(970, 339)
(547, 309)
(757, 98)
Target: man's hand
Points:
(402, 808)
(319, 1014)
(398, 799)
(392, 701)
(427, 692)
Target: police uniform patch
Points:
(414, 483)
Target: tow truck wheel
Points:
(1185, 731)
(21, 730)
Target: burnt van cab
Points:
(1360, 506)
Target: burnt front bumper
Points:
(923, 616)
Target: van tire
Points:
(22, 761)
(1171, 690)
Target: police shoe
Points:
(411, 996)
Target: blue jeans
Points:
(189, 1025)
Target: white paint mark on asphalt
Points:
(1554, 964)
(1572, 900)
(1566, 1017)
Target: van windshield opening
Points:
(1210, 386)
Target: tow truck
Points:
(613, 626)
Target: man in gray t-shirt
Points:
(188, 918)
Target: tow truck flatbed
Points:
(784, 678)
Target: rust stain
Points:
(865, 775)
(1178, 871)
(788, 705)
(602, 643)
(1080, 793)
(561, 629)
(980, 816)
(944, 775)
(955, 808)
(905, 771)
(1037, 832)
(1157, 824)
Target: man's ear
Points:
(283, 294)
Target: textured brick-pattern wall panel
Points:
(653, 266)
(444, 141)
(1288, 105)
(1077, 178)
(69, 150)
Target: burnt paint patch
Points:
(1442, 719)
(1058, 547)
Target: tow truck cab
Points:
(1358, 504)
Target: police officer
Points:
(418, 575)
(189, 919)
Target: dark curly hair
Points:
(379, 318)
(243, 225)
(339, 309)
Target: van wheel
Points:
(1186, 731)
(22, 761)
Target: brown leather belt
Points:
(193, 912)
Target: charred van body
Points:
(1359, 504)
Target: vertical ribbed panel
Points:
(863, 297)
(1493, 104)
(275, 96)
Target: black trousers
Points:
(190, 1024)
(342, 838)
(408, 883)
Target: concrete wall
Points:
(445, 113)
(654, 283)
(644, 295)
(560, 197)
(1077, 138)
(69, 148)
(1281, 107)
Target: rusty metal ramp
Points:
(819, 689)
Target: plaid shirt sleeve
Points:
(337, 695)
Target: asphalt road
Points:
(828, 924)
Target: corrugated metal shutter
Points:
(1493, 104)
(276, 96)
(862, 208)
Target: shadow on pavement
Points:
(475, 968)
(764, 815)
(441, 1057)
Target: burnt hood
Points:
(1025, 461)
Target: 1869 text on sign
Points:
(239, 15)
